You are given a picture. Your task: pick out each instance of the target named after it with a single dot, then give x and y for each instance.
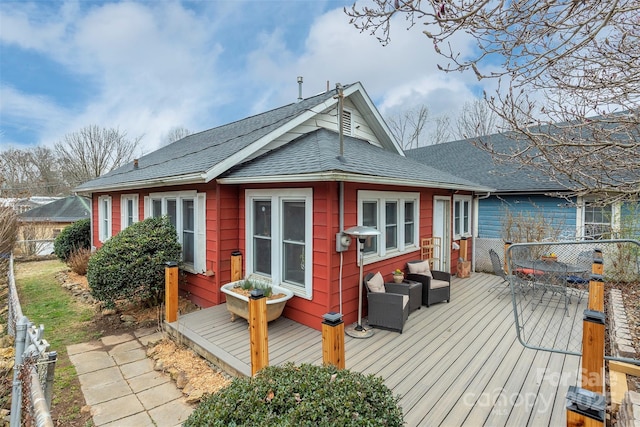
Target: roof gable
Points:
(203, 156)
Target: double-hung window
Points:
(395, 215)
(104, 218)
(598, 221)
(461, 216)
(128, 210)
(279, 237)
(186, 211)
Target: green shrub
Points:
(305, 395)
(72, 238)
(131, 264)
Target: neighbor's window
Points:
(597, 222)
(186, 212)
(461, 216)
(128, 210)
(279, 237)
(104, 218)
(395, 215)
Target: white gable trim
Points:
(360, 99)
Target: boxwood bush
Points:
(305, 395)
(73, 238)
(131, 264)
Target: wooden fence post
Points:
(333, 340)
(258, 331)
(171, 291)
(586, 404)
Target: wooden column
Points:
(333, 340)
(171, 291)
(236, 266)
(258, 331)
(506, 258)
(586, 404)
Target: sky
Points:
(147, 67)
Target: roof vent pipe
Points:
(299, 88)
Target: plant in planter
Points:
(238, 297)
(398, 275)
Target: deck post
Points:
(171, 291)
(333, 340)
(506, 259)
(585, 404)
(236, 266)
(258, 331)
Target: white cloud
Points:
(151, 66)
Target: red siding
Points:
(225, 210)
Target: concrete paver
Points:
(119, 383)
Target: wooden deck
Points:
(455, 364)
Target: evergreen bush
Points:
(73, 238)
(305, 395)
(131, 264)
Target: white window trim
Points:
(200, 221)
(123, 209)
(616, 212)
(276, 196)
(469, 200)
(381, 197)
(104, 233)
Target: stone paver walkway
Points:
(119, 383)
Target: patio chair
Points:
(436, 285)
(387, 310)
(498, 270)
(520, 283)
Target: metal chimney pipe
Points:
(299, 88)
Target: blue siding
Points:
(491, 212)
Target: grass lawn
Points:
(65, 321)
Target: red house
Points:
(280, 187)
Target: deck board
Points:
(455, 364)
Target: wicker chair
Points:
(436, 287)
(386, 310)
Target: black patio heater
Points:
(361, 233)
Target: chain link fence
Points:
(550, 287)
(34, 365)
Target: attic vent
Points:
(346, 122)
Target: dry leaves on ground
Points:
(199, 378)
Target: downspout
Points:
(476, 208)
(341, 215)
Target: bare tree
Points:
(475, 119)
(93, 151)
(568, 81)
(441, 130)
(17, 173)
(175, 134)
(408, 125)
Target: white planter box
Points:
(238, 305)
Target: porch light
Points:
(361, 233)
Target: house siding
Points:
(492, 211)
(226, 230)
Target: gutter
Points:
(349, 177)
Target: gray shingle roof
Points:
(69, 209)
(466, 160)
(318, 151)
(199, 153)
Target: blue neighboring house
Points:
(519, 190)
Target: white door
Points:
(441, 229)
